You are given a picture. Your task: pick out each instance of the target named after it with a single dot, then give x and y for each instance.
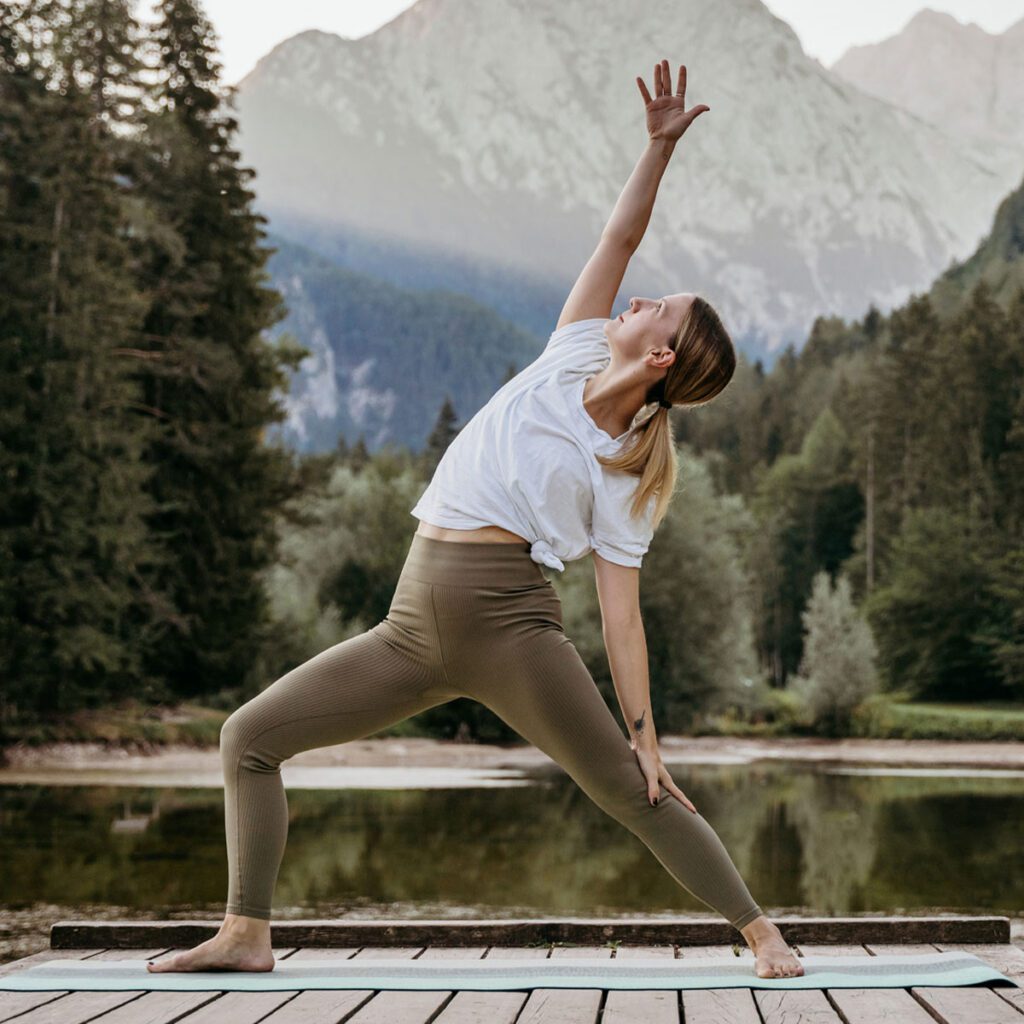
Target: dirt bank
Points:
(438, 753)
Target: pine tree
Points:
(930, 615)
(210, 374)
(359, 456)
(441, 435)
(72, 515)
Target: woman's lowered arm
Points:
(667, 119)
(626, 644)
(622, 628)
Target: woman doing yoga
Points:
(565, 459)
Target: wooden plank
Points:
(493, 1007)
(43, 955)
(582, 931)
(77, 1007)
(869, 1005)
(310, 1005)
(566, 1005)
(643, 1006)
(808, 1006)
(337, 1004)
(12, 1004)
(965, 1005)
(395, 1007)
(721, 1005)
(1008, 959)
(216, 1007)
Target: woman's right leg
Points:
(349, 691)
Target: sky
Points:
(248, 29)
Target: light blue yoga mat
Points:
(924, 969)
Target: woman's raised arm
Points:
(667, 119)
(598, 283)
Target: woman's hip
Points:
(471, 564)
(470, 604)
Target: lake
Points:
(809, 838)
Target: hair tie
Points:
(664, 404)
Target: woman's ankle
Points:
(759, 929)
(242, 927)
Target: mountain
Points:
(382, 359)
(964, 80)
(999, 261)
(480, 148)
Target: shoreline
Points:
(425, 752)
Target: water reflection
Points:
(294, 776)
(502, 842)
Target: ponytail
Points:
(704, 364)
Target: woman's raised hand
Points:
(667, 116)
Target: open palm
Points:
(667, 116)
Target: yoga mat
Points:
(891, 971)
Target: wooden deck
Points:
(124, 940)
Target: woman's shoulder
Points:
(579, 335)
(572, 352)
(615, 533)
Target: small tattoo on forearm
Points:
(638, 723)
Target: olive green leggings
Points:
(467, 619)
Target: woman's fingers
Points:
(652, 788)
(662, 81)
(670, 785)
(656, 775)
(677, 792)
(649, 768)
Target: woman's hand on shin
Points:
(656, 774)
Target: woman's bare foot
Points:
(242, 944)
(774, 957)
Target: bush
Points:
(769, 712)
(837, 671)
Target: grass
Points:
(134, 725)
(884, 716)
(992, 720)
(128, 724)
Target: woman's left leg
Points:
(542, 689)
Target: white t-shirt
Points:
(526, 462)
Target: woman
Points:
(557, 464)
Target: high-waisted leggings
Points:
(467, 619)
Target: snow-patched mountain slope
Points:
(505, 131)
(967, 81)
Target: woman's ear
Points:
(662, 357)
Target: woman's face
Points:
(647, 323)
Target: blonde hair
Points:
(704, 365)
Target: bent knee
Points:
(232, 733)
(239, 743)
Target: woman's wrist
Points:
(664, 145)
(646, 740)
